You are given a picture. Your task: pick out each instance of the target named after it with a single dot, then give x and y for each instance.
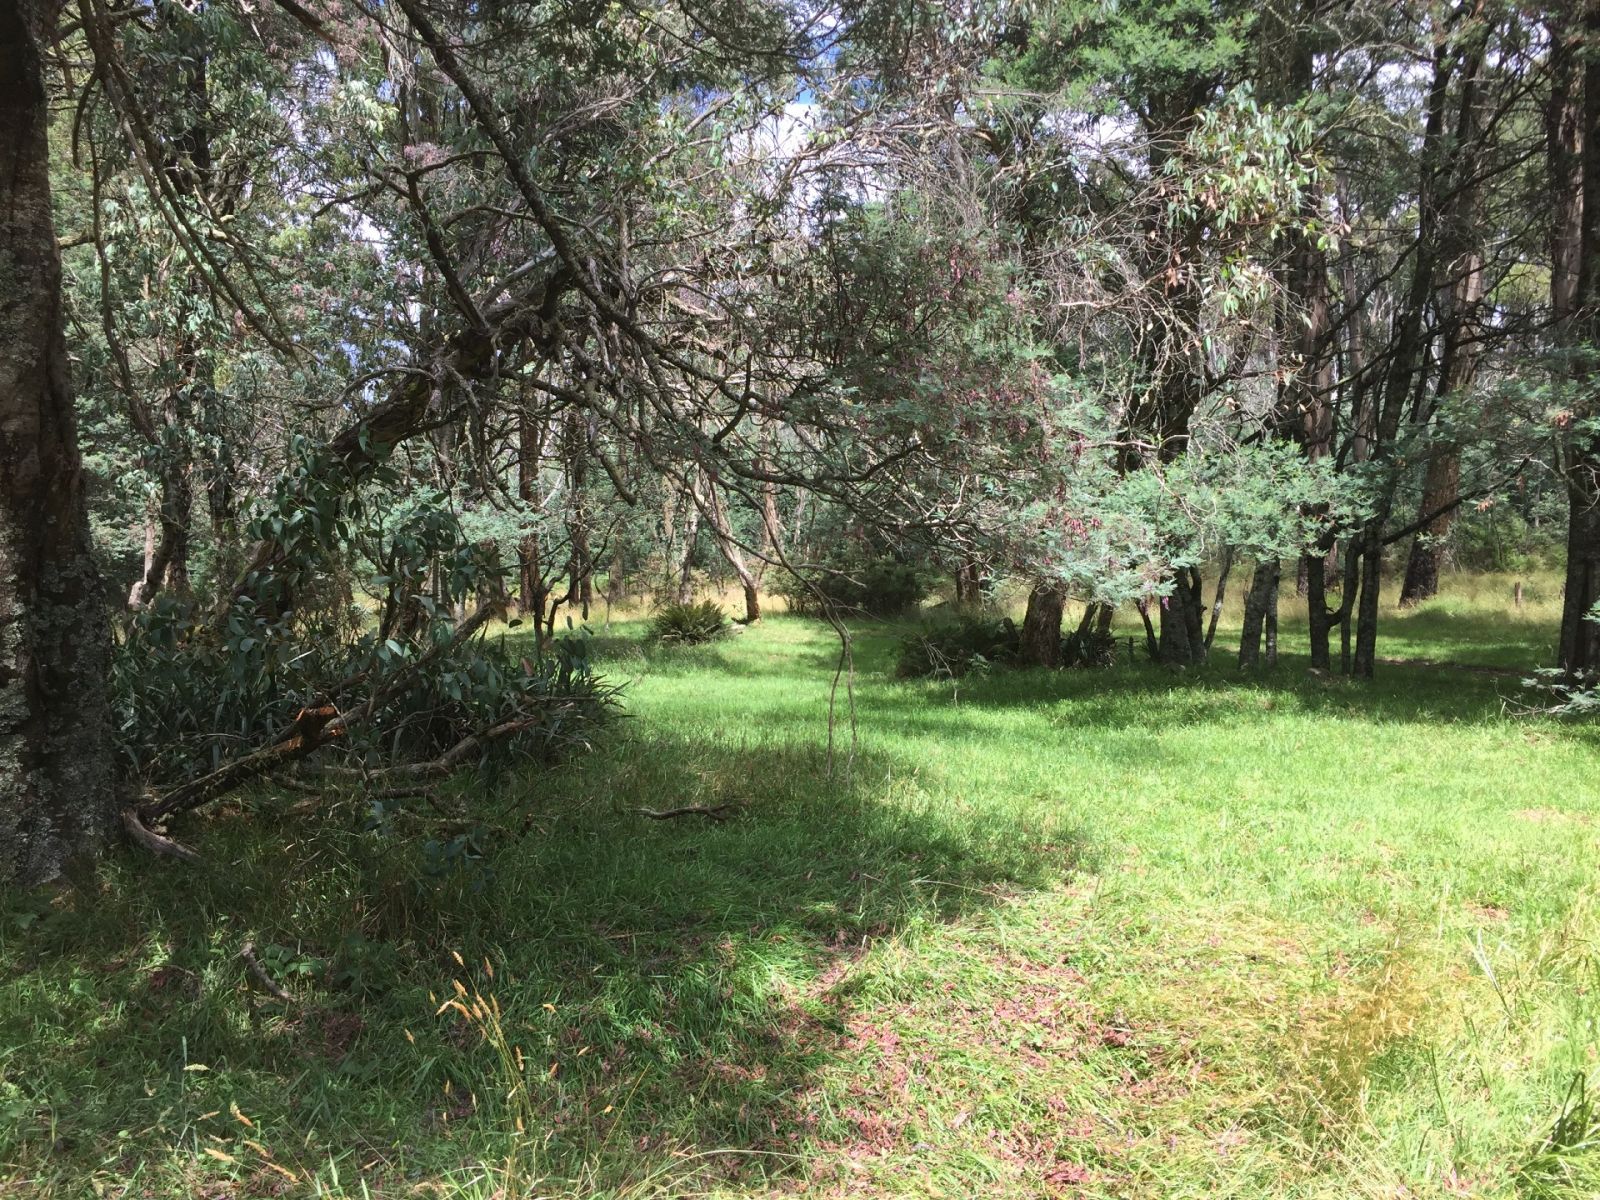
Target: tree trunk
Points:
(1440, 490)
(1319, 622)
(1272, 616)
(1580, 635)
(1579, 651)
(1460, 299)
(1221, 597)
(166, 560)
(1364, 664)
(722, 531)
(1182, 641)
(1261, 613)
(1347, 602)
(57, 801)
(691, 531)
(1152, 647)
(1041, 626)
(969, 584)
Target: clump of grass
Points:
(1567, 1162)
(689, 624)
(1341, 1043)
(516, 1173)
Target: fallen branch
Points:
(434, 768)
(271, 986)
(311, 729)
(717, 812)
(155, 842)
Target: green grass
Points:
(1119, 934)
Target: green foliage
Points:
(1089, 648)
(689, 624)
(1564, 1165)
(865, 585)
(955, 648)
(185, 700)
(951, 650)
(1045, 905)
(1499, 537)
(192, 689)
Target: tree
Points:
(1579, 651)
(56, 795)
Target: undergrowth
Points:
(1080, 934)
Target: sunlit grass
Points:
(1096, 934)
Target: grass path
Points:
(1116, 934)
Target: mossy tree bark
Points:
(56, 796)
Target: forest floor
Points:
(1113, 933)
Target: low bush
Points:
(879, 587)
(1089, 648)
(689, 624)
(952, 650)
(187, 699)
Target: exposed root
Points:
(156, 843)
(271, 986)
(717, 812)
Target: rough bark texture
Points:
(691, 532)
(1183, 642)
(1580, 637)
(1261, 615)
(969, 583)
(56, 796)
(1579, 651)
(1441, 487)
(1041, 626)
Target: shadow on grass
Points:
(662, 980)
(1153, 700)
(1136, 692)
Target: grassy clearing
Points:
(1095, 934)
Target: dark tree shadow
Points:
(663, 979)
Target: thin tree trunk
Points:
(722, 532)
(1152, 646)
(1319, 623)
(1272, 615)
(1363, 665)
(1460, 298)
(1347, 602)
(1221, 596)
(691, 531)
(57, 801)
(1261, 613)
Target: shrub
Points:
(877, 587)
(951, 650)
(1089, 648)
(689, 624)
(187, 699)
